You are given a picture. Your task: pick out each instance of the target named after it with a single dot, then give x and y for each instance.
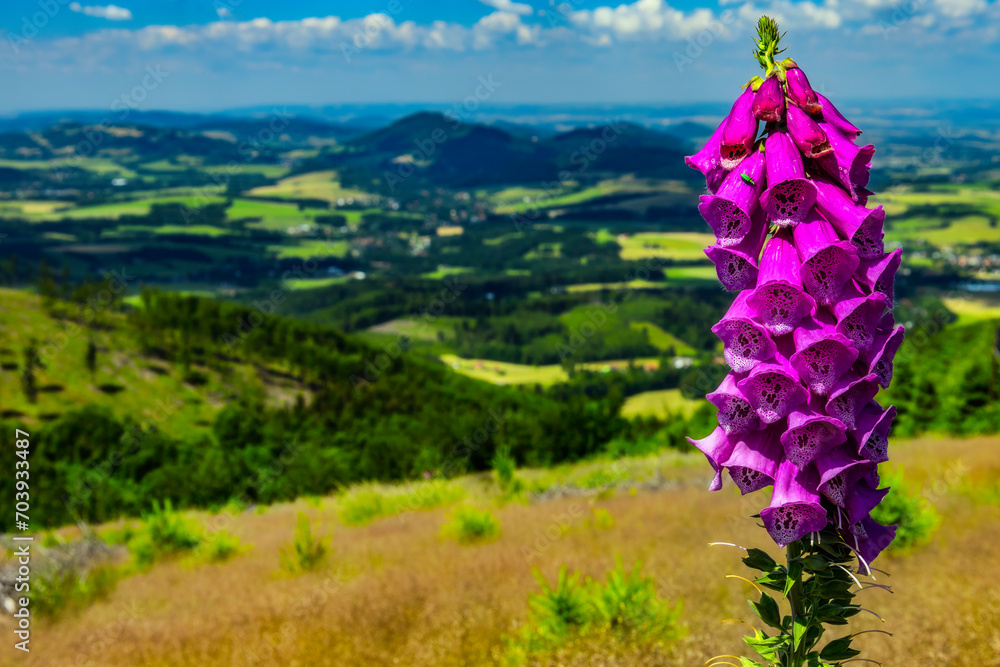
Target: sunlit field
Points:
(395, 591)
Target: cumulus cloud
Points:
(509, 6)
(110, 12)
(646, 19)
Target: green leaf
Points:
(768, 610)
(794, 572)
(799, 630)
(768, 647)
(747, 662)
(839, 649)
(815, 563)
(775, 579)
(759, 560)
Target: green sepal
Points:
(839, 649)
(767, 610)
(759, 560)
(815, 563)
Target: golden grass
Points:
(396, 593)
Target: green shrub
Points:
(505, 471)
(306, 552)
(165, 533)
(627, 607)
(469, 525)
(55, 592)
(601, 519)
(915, 518)
(365, 504)
(219, 547)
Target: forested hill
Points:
(352, 412)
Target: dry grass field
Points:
(396, 593)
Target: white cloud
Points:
(223, 12)
(647, 19)
(111, 12)
(509, 6)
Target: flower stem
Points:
(792, 552)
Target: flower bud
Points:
(769, 103)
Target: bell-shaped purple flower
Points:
(822, 355)
(769, 102)
(739, 131)
(796, 509)
(839, 471)
(872, 432)
(828, 262)
(848, 164)
(709, 160)
(879, 358)
(878, 274)
(728, 211)
(789, 195)
(849, 396)
(810, 433)
(868, 539)
(736, 265)
(862, 499)
(773, 389)
(779, 300)
(807, 134)
(835, 118)
(861, 226)
(717, 448)
(800, 93)
(858, 316)
(746, 343)
(736, 415)
(754, 460)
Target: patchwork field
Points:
(395, 591)
(315, 185)
(666, 245)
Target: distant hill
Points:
(433, 149)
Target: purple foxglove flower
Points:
(868, 539)
(789, 194)
(827, 262)
(849, 396)
(717, 448)
(872, 432)
(746, 343)
(736, 265)
(839, 471)
(709, 161)
(769, 103)
(879, 358)
(800, 93)
(822, 355)
(728, 211)
(795, 509)
(773, 389)
(862, 499)
(754, 460)
(858, 316)
(861, 226)
(735, 415)
(811, 433)
(835, 118)
(878, 274)
(807, 134)
(739, 131)
(848, 164)
(779, 300)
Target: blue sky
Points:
(218, 54)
